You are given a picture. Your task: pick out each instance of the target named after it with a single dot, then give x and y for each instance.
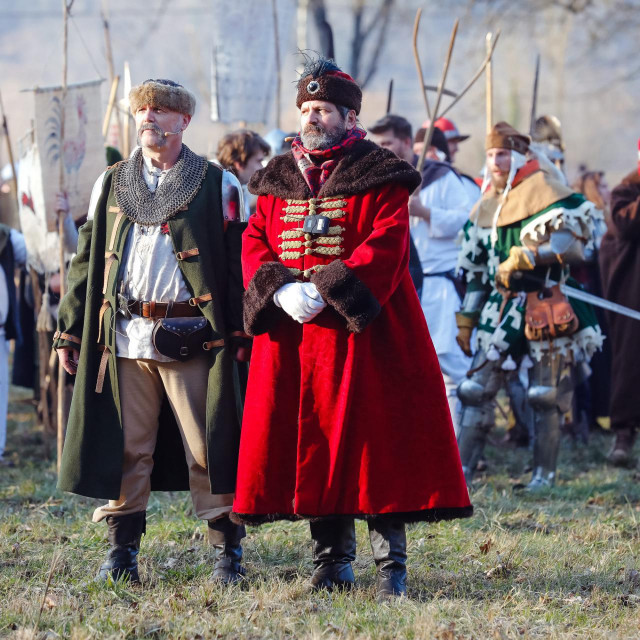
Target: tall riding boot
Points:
(124, 537)
(225, 537)
(389, 546)
(334, 549)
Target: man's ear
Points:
(352, 119)
(186, 119)
(238, 166)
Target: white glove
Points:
(301, 300)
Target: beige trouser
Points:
(142, 385)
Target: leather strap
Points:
(204, 298)
(110, 259)
(102, 369)
(105, 305)
(152, 309)
(189, 253)
(116, 226)
(212, 344)
(66, 336)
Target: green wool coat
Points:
(93, 450)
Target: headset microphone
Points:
(172, 133)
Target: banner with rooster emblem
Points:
(82, 149)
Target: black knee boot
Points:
(225, 537)
(334, 549)
(389, 546)
(124, 537)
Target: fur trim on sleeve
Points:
(259, 310)
(347, 294)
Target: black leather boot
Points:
(389, 546)
(334, 549)
(124, 537)
(225, 537)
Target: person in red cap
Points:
(453, 136)
(521, 239)
(347, 416)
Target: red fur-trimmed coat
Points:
(345, 414)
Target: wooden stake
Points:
(489, 85)
(534, 97)
(126, 142)
(274, 10)
(445, 70)
(416, 55)
(110, 66)
(5, 128)
(61, 418)
(112, 99)
(475, 77)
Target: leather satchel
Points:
(549, 315)
(180, 338)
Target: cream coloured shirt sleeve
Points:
(95, 195)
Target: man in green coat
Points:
(150, 324)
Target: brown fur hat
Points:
(504, 136)
(322, 79)
(162, 93)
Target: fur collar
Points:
(366, 166)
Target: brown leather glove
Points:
(465, 329)
(520, 259)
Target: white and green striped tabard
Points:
(480, 260)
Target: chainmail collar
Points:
(178, 188)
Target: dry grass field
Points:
(561, 565)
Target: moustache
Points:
(313, 128)
(152, 127)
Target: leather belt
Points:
(151, 309)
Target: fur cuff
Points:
(260, 312)
(347, 294)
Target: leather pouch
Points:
(549, 315)
(180, 338)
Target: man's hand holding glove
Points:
(465, 326)
(301, 300)
(520, 259)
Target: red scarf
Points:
(316, 175)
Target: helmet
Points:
(449, 129)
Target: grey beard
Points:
(322, 139)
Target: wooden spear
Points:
(61, 408)
(489, 85)
(534, 97)
(274, 10)
(110, 66)
(5, 128)
(112, 99)
(445, 70)
(475, 77)
(416, 55)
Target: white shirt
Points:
(448, 200)
(149, 271)
(450, 205)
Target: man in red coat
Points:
(346, 414)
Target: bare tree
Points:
(368, 36)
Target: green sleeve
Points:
(72, 306)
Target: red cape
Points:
(345, 414)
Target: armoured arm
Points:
(562, 247)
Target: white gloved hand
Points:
(301, 300)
